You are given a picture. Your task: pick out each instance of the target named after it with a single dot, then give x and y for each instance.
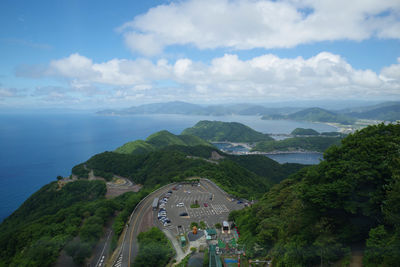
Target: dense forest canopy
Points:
(215, 131)
(320, 213)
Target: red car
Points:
(205, 205)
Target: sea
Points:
(37, 147)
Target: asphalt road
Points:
(217, 210)
(101, 251)
(129, 245)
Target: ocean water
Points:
(35, 148)
(302, 158)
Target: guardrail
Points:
(130, 218)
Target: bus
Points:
(155, 203)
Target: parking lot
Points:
(214, 206)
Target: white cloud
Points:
(268, 76)
(392, 72)
(247, 24)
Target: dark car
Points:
(183, 214)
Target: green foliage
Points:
(160, 140)
(218, 226)
(386, 112)
(302, 131)
(202, 225)
(192, 224)
(195, 151)
(106, 175)
(320, 115)
(226, 131)
(79, 251)
(165, 166)
(206, 258)
(35, 233)
(135, 147)
(194, 206)
(313, 114)
(81, 171)
(266, 167)
(350, 198)
(383, 247)
(154, 249)
(314, 143)
(184, 262)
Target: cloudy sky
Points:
(96, 54)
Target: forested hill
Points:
(175, 163)
(159, 140)
(349, 200)
(215, 131)
(313, 114)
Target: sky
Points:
(110, 54)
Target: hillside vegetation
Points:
(311, 143)
(351, 199)
(159, 140)
(166, 166)
(313, 114)
(52, 219)
(385, 112)
(215, 131)
(303, 131)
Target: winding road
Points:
(129, 248)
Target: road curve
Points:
(129, 247)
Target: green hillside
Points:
(302, 131)
(159, 140)
(313, 114)
(320, 115)
(215, 131)
(53, 218)
(312, 143)
(166, 166)
(266, 167)
(135, 147)
(350, 200)
(385, 112)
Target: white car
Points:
(180, 204)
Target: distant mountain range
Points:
(178, 107)
(314, 114)
(387, 111)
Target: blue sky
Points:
(97, 54)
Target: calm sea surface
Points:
(35, 148)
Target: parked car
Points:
(240, 202)
(205, 205)
(180, 204)
(183, 214)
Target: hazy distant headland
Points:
(386, 111)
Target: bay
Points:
(37, 147)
